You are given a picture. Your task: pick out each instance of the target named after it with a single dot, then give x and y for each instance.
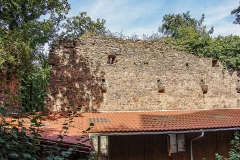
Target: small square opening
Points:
(111, 59)
(214, 62)
(161, 87)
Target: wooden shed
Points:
(156, 135)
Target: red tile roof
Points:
(121, 122)
(135, 122)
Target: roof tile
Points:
(164, 120)
(126, 122)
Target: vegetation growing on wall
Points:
(185, 33)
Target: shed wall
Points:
(154, 147)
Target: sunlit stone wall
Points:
(111, 74)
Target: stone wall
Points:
(110, 74)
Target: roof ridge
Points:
(164, 110)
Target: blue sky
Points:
(145, 16)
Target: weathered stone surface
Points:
(82, 74)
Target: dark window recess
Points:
(238, 87)
(204, 87)
(146, 63)
(111, 59)
(161, 87)
(103, 86)
(214, 62)
(187, 64)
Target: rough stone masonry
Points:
(111, 74)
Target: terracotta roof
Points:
(134, 122)
(125, 122)
(165, 120)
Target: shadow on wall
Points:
(72, 84)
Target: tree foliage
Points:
(15, 53)
(34, 89)
(21, 13)
(179, 25)
(236, 12)
(22, 29)
(186, 33)
(224, 48)
(76, 26)
(25, 26)
(18, 141)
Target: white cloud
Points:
(227, 29)
(219, 16)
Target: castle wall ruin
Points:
(112, 74)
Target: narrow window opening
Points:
(187, 64)
(103, 86)
(214, 62)
(238, 87)
(111, 59)
(204, 87)
(146, 63)
(161, 87)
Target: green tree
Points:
(186, 33)
(236, 12)
(34, 91)
(23, 28)
(181, 25)
(76, 26)
(15, 52)
(25, 25)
